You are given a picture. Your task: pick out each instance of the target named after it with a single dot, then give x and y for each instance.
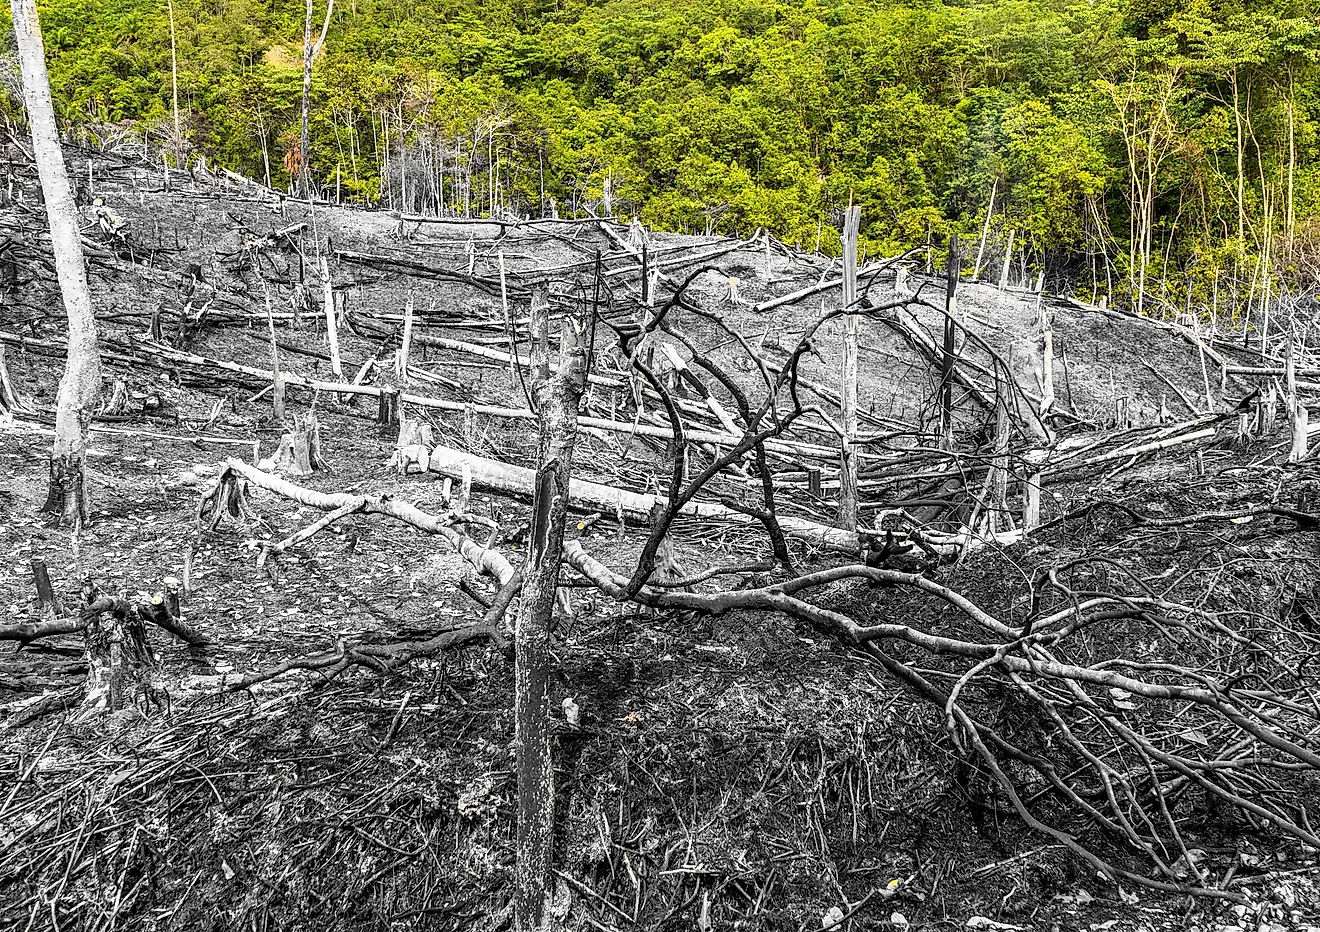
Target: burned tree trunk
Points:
(119, 659)
(946, 357)
(80, 388)
(120, 662)
(557, 400)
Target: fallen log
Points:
(824, 285)
(421, 270)
(213, 506)
(788, 447)
(905, 323)
(592, 496)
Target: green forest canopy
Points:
(1126, 143)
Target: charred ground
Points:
(742, 770)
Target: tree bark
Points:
(174, 87)
(80, 387)
(946, 357)
(557, 400)
(593, 496)
(310, 52)
(848, 376)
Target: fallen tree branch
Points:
(487, 561)
(591, 496)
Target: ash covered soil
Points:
(741, 771)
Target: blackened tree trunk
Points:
(80, 388)
(557, 402)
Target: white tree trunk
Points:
(80, 388)
(848, 375)
(310, 52)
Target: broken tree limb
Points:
(490, 562)
(156, 611)
(907, 324)
(591, 496)
(713, 403)
(826, 285)
(32, 630)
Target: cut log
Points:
(591, 496)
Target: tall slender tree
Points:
(80, 388)
(310, 51)
(852, 219)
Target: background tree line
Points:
(1160, 153)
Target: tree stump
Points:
(118, 403)
(413, 451)
(46, 598)
(67, 499)
(299, 452)
(120, 663)
(387, 415)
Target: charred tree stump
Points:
(119, 659)
(68, 496)
(227, 498)
(413, 451)
(47, 601)
(299, 452)
(387, 415)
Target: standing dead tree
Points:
(310, 51)
(80, 388)
(848, 382)
(557, 403)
